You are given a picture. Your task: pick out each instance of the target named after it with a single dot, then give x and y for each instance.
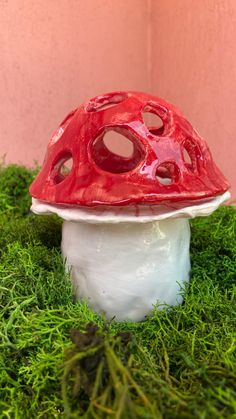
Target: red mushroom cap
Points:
(171, 164)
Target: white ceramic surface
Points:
(132, 214)
(124, 269)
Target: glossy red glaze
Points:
(169, 164)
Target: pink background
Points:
(56, 54)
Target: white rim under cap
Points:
(128, 214)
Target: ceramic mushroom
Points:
(126, 232)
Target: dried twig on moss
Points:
(94, 367)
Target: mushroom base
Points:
(122, 270)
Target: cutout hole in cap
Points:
(166, 173)
(117, 151)
(105, 102)
(191, 153)
(153, 122)
(62, 168)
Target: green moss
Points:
(59, 359)
(14, 184)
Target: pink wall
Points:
(56, 54)
(194, 66)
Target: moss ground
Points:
(60, 360)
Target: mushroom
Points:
(126, 235)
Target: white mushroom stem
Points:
(126, 260)
(124, 269)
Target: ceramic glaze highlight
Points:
(123, 270)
